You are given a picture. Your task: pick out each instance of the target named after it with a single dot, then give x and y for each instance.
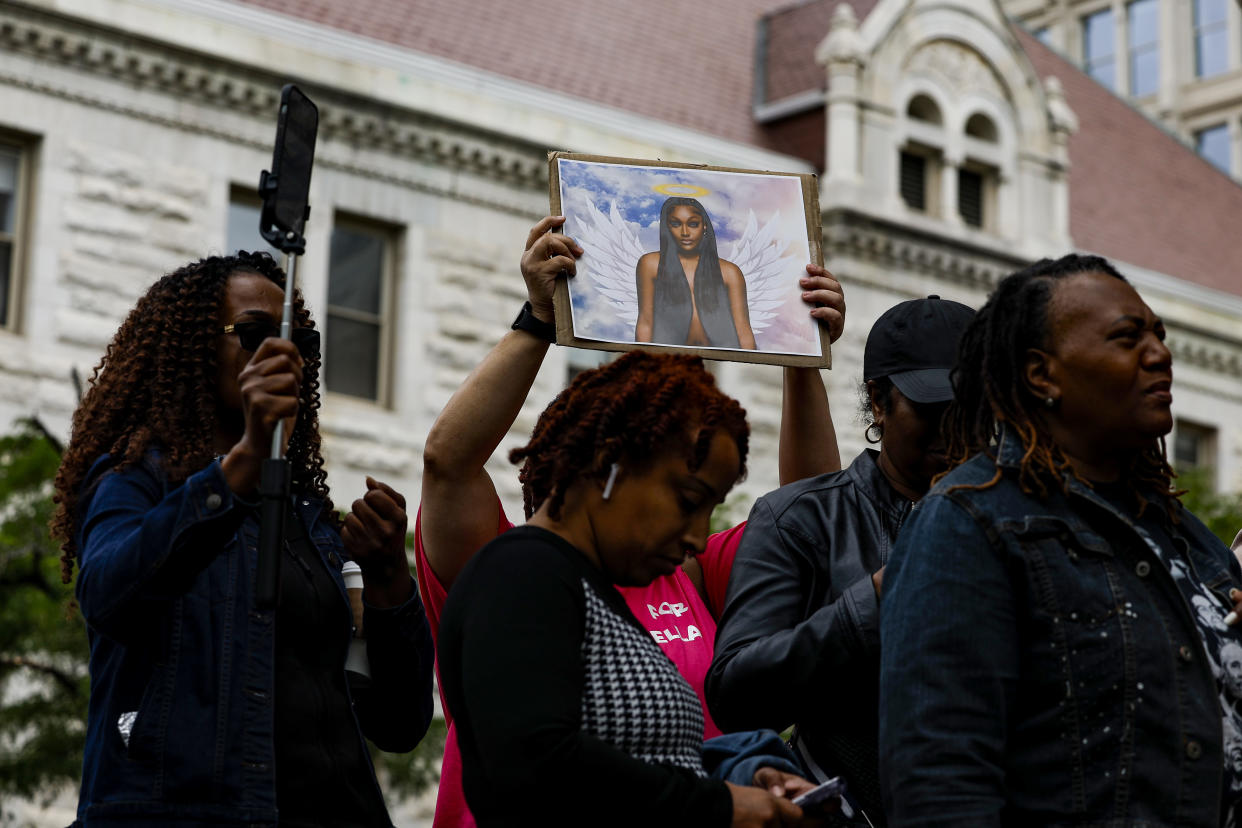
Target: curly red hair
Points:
(155, 387)
(631, 411)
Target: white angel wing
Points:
(761, 258)
(610, 253)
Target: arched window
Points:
(922, 156)
(980, 126)
(923, 108)
(978, 176)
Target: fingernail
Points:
(1233, 593)
(1231, 618)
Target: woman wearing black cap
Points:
(798, 641)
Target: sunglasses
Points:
(252, 334)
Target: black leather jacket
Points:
(799, 639)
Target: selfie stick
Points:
(284, 191)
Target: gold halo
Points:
(684, 190)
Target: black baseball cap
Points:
(915, 345)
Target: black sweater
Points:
(567, 712)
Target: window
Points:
(243, 224)
(921, 159)
(355, 329)
(1213, 144)
(1099, 47)
(970, 196)
(923, 108)
(1144, 37)
(914, 181)
(12, 171)
(1211, 38)
(981, 127)
(1194, 447)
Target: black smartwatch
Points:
(527, 321)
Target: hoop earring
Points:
(612, 479)
(879, 433)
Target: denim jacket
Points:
(1040, 665)
(165, 583)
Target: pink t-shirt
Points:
(669, 607)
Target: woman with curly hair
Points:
(460, 510)
(1042, 664)
(205, 709)
(569, 693)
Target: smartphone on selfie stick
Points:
(285, 191)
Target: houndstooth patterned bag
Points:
(633, 697)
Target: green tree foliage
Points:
(730, 513)
(43, 653)
(1222, 513)
(403, 775)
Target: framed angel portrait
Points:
(699, 259)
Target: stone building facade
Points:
(953, 147)
(139, 127)
(140, 131)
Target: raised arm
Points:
(808, 441)
(459, 502)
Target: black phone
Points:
(286, 189)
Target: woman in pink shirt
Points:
(460, 510)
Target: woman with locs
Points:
(619, 486)
(204, 710)
(798, 642)
(461, 511)
(687, 294)
(1042, 664)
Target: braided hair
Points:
(155, 387)
(634, 409)
(989, 387)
